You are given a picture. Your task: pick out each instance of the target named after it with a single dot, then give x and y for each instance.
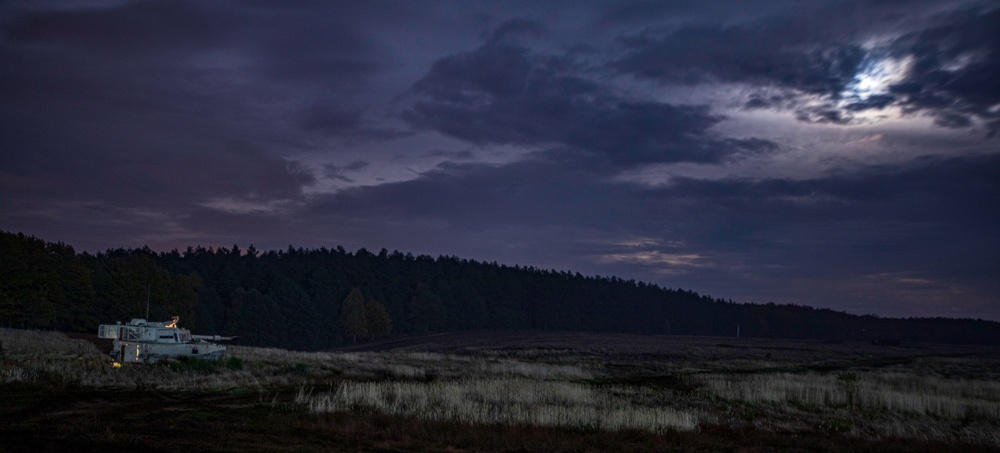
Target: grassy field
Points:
(507, 391)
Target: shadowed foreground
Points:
(37, 419)
(513, 391)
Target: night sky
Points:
(835, 154)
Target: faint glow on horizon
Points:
(643, 242)
(657, 258)
(231, 205)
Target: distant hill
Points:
(323, 298)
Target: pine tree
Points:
(379, 324)
(354, 316)
(427, 311)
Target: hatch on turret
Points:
(108, 331)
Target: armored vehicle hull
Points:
(141, 341)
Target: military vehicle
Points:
(142, 341)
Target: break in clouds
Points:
(835, 154)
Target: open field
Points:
(507, 391)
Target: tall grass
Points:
(29, 355)
(885, 391)
(499, 400)
(32, 355)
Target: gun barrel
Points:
(211, 337)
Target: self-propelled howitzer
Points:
(148, 342)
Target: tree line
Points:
(321, 298)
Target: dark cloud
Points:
(649, 14)
(952, 120)
(475, 196)
(318, 52)
(963, 192)
(949, 190)
(793, 56)
(770, 100)
(514, 28)
(818, 56)
(133, 28)
(777, 52)
(330, 119)
(337, 171)
(823, 114)
(955, 74)
(505, 94)
(193, 55)
(876, 102)
(173, 100)
(632, 12)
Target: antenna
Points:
(147, 301)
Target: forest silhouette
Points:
(314, 299)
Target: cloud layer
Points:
(838, 154)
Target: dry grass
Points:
(29, 354)
(884, 391)
(32, 355)
(516, 401)
(939, 394)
